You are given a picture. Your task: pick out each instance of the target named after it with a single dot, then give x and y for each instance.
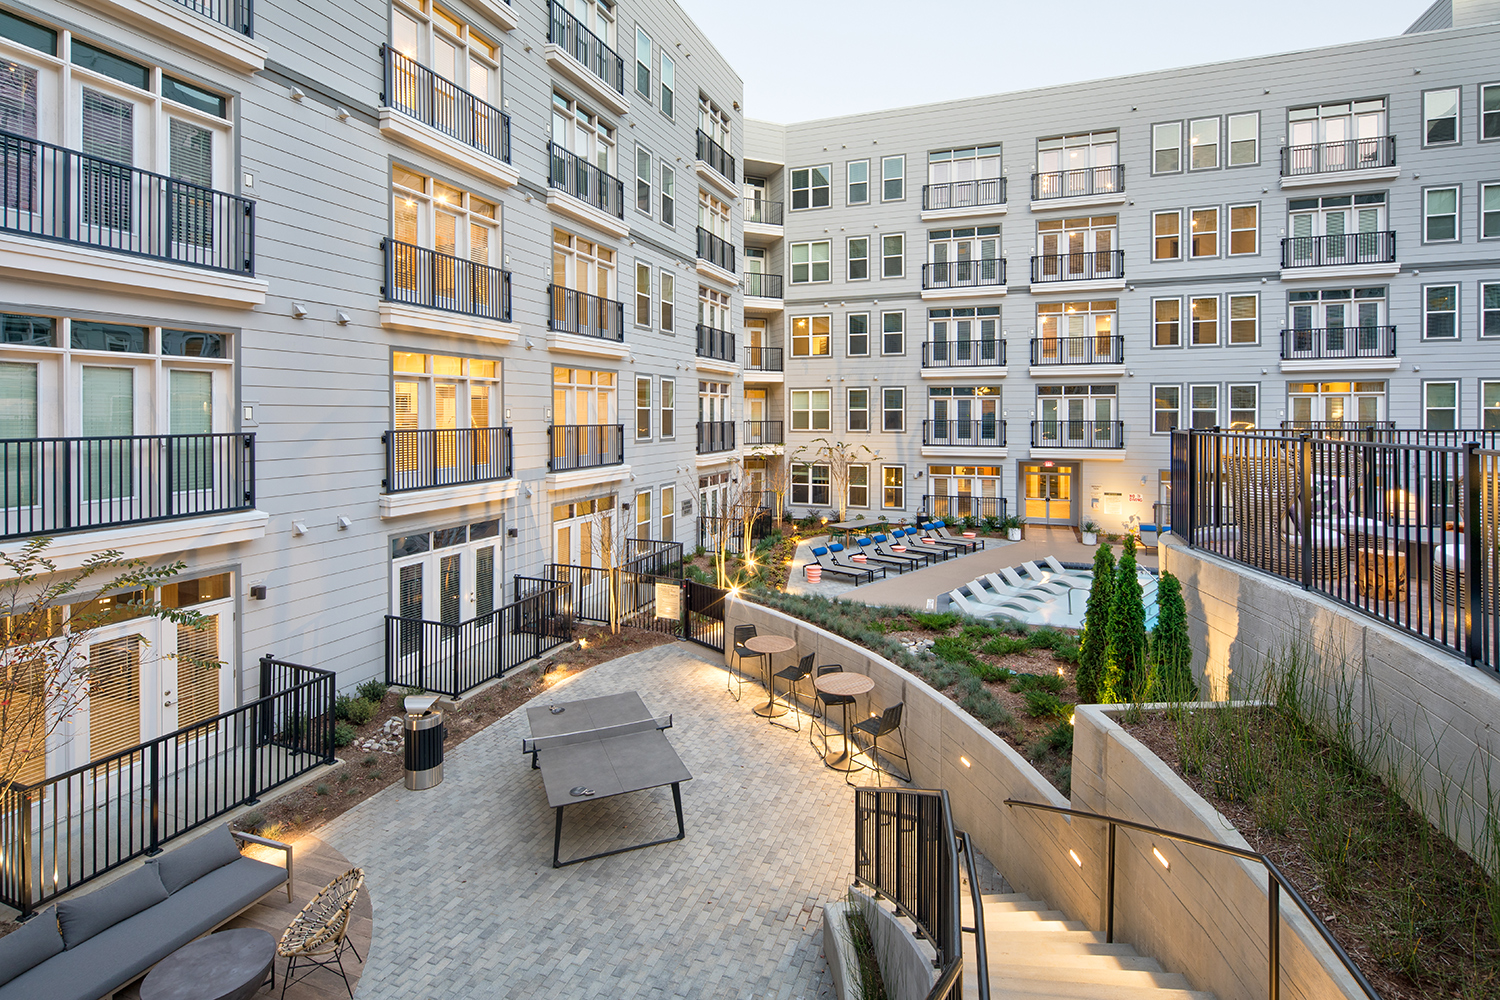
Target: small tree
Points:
(1129, 667)
(1171, 650)
(775, 480)
(1093, 651)
(609, 527)
(838, 456)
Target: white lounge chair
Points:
(1021, 583)
(1056, 579)
(972, 608)
(1002, 595)
(1062, 570)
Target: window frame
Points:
(643, 414)
(1457, 213)
(849, 182)
(1157, 323)
(640, 36)
(886, 488)
(1157, 236)
(1228, 320)
(827, 262)
(1428, 313)
(1485, 187)
(667, 71)
(1458, 117)
(1230, 230)
(809, 484)
(1231, 408)
(886, 181)
(1456, 409)
(1157, 411)
(644, 184)
(639, 293)
(666, 408)
(1192, 240)
(886, 258)
(886, 333)
(1155, 149)
(849, 258)
(810, 409)
(792, 188)
(887, 410)
(811, 337)
(849, 335)
(1217, 144)
(1192, 404)
(851, 485)
(850, 410)
(668, 189)
(1229, 120)
(1485, 311)
(668, 300)
(1479, 103)
(1192, 338)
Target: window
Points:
(1167, 322)
(427, 34)
(643, 64)
(643, 514)
(1205, 316)
(810, 336)
(1489, 309)
(1203, 138)
(1489, 395)
(810, 262)
(893, 409)
(581, 396)
(859, 410)
(1166, 408)
(1166, 148)
(1244, 406)
(643, 180)
(1489, 211)
(1440, 215)
(668, 300)
(1349, 135)
(584, 266)
(583, 133)
(1167, 239)
(894, 477)
(893, 333)
(892, 256)
(1440, 406)
(1440, 117)
(713, 309)
(642, 407)
(668, 83)
(859, 258)
(643, 295)
(1440, 312)
(1336, 401)
(958, 178)
(1489, 111)
(713, 408)
(810, 410)
(893, 178)
(810, 187)
(441, 392)
(963, 337)
(1072, 165)
(668, 196)
(1244, 139)
(859, 485)
(668, 514)
(1204, 400)
(668, 415)
(1244, 319)
(1244, 229)
(432, 215)
(859, 335)
(810, 484)
(1205, 225)
(859, 182)
(1076, 333)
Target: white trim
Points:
(1080, 201)
(444, 497)
(1075, 371)
(561, 60)
(1341, 365)
(402, 316)
(174, 22)
(1342, 177)
(966, 292)
(938, 451)
(756, 376)
(966, 212)
(594, 347)
(713, 271)
(499, 12)
(1073, 288)
(728, 369)
(717, 458)
(721, 183)
(581, 211)
(1341, 272)
(1076, 454)
(403, 128)
(160, 538)
(84, 267)
(575, 478)
(982, 371)
(764, 231)
(759, 305)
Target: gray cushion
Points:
(84, 916)
(197, 858)
(35, 941)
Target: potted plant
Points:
(1090, 531)
(1011, 525)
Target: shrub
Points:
(954, 649)
(990, 672)
(1058, 739)
(358, 711)
(986, 708)
(935, 622)
(321, 790)
(1005, 645)
(1128, 668)
(1093, 650)
(1171, 651)
(1046, 705)
(372, 690)
(371, 759)
(343, 734)
(1039, 682)
(1048, 638)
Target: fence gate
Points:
(703, 610)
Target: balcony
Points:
(1342, 255)
(221, 30)
(944, 505)
(1340, 162)
(581, 56)
(434, 469)
(91, 223)
(473, 299)
(433, 114)
(1076, 435)
(1095, 271)
(763, 364)
(716, 165)
(764, 221)
(715, 436)
(593, 325)
(577, 188)
(1352, 348)
(584, 446)
(962, 279)
(968, 434)
(1083, 188)
(716, 350)
(1097, 355)
(763, 293)
(717, 253)
(963, 199)
(764, 432)
(963, 358)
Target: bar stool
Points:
(741, 634)
(793, 675)
(885, 724)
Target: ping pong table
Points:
(596, 748)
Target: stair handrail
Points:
(1275, 884)
(981, 956)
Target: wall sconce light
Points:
(258, 592)
(342, 114)
(297, 94)
(512, 532)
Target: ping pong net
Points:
(534, 744)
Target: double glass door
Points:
(1047, 494)
(967, 420)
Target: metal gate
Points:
(704, 610)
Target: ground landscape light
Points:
(1074, 855)
(965, 762)
(1159, 857)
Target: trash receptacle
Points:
(424, 742)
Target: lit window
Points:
(1167, 227)
(1203, 136)
(1168, 322)
(1205, 235)
(1205, 406)
(895, 487)
(1205, 314)
(1244, 229)
(1244, 406)
(1166, 408)
(810, 336)
(1244, 319)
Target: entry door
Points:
(445, 586)
(1047, 494)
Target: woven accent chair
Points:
(319, 934)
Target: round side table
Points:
(229, 965)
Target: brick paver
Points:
(467, 904)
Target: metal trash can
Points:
(424, 742)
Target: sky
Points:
(807, 59)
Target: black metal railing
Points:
(564, 31)
(762, 286)
(1351, 424)
(1337, 157)
(1338, 342)
(584, 446)
(763, 359)
(1339, 250)
(236, 15)
(1096, 350)
(52, 486)
(1078, 183)
(586, 315)
(61, 832)
(1078, 434)
(716, 251)
(425, 459)
(963, 194)
(436, 101)
(59, 194)
(715, 344)
(421, 277)
(982, 433)
(946, 505)
(763, 212)
(764, 432)
(727, 533)
(715, 156)
(987, 272)
(1092, 265)
(963, 353)
(715, 436)
(576, 176)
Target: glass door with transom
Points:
(1077, 249)
(964, 490)
(1047, 493)
(1336, 229)
(583, 532)
(1336, 402)
(448, 575)
(965, 415)
(1346, 320)
(1075, 416)
(962, 257)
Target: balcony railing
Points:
(715, 436)
(236, 15)
(1337, 157)
(982, 433)
(1338, 342)
(56, 485)
(763, 286)
(716, 251)
(1078, 434)
(433, 100)
(1096, 350)
(584, 446)
(764, 432)
(1078, 183)
(963, 505)
(586, 182)
(763, 359)
(963, 194)
(1094, 265)
(426, 459)
(765, 213)
(986, 272)
(421, 277)
(963, 353)
(58, 194)
(1351, 424)
(1339, 249)
(586, 315)
(564, 31)
(715, 156)
(715, 344)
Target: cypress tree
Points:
(1128, 668)
(1171, 650)
(1094, 647)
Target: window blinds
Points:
(114, 696)
(108, 134)
(108, 401)
(197, 684)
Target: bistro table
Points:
(841, 682)
(229, 965)
(770, 645)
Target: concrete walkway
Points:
(467, 904)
